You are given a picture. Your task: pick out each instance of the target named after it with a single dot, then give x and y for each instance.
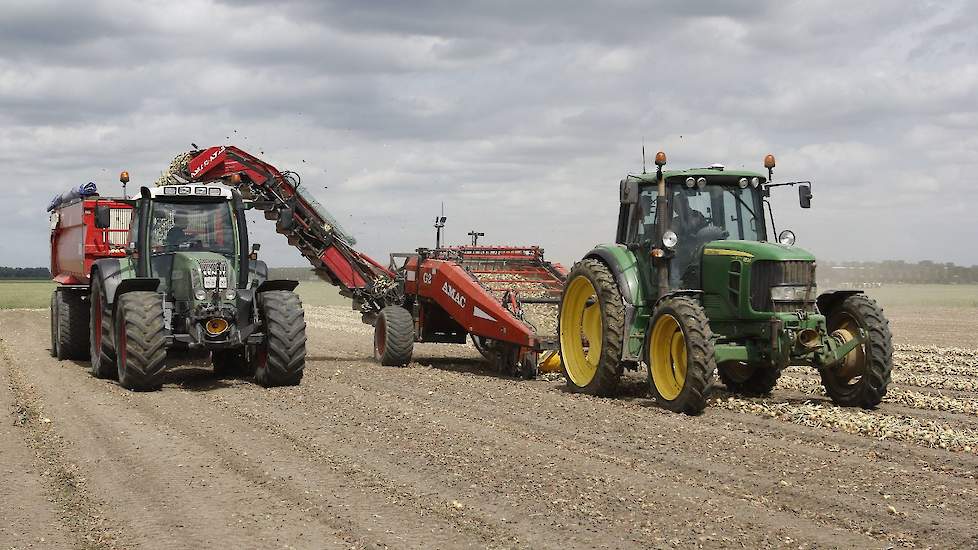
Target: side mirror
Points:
(805, 196)
(629, 191)
(103, 216)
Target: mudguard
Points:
(827, 301)
(624, 266)
(117, 279)
(257, 272)
(283, 284)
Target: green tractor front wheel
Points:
(862, 377)
(680, 355)
(591, 328)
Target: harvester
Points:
(169, 270)
(495, 296)
(692, 287)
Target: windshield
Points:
(192, 226)
(713, 213)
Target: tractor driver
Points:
(693, 223)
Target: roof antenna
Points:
(643, 154)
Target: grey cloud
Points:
(521, 117)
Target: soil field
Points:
(443, 454)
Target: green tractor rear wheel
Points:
(680, 355)
(591, 328)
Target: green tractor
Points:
(188, 282)
(692, 287)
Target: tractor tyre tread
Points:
(285, 339)
(398, 345)
(102, 359)
(609, 370)
(140, 315)
(701, 364)
(869, 391)
(73, 329)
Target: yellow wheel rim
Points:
(854, 363)
(581, 329)
(667, 355)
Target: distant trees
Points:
(895, 272)
(24, 273)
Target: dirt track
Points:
(444, 455)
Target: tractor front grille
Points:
(766, 274)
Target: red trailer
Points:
(82, 231)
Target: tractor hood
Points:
(757, 250)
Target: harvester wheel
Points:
(394, 337)
(281, 357)
(140, 340)
(680, 355)
(863, 376)
(100, 331)
(72, 331)
(231, 363)
(591, 328)
(748, 379)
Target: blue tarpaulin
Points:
(83, 190)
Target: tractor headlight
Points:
(701, 183)
(670, 239)
(690, 182)
(787, 237)
(229, 294)
(200, 295)
(791, 293)
(742, 182)
(755, 181)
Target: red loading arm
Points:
(307, 224)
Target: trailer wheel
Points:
(140, 340)
(591, 328)
(394, 337)
(863, 376)
(748, 379)
(100, 330)
(72, 330)
(680, 355)
(281, 357)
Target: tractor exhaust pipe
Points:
(662, 207)
(808, 340)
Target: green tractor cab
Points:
(188, 281)
(693, 287)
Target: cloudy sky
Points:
(520, 116)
